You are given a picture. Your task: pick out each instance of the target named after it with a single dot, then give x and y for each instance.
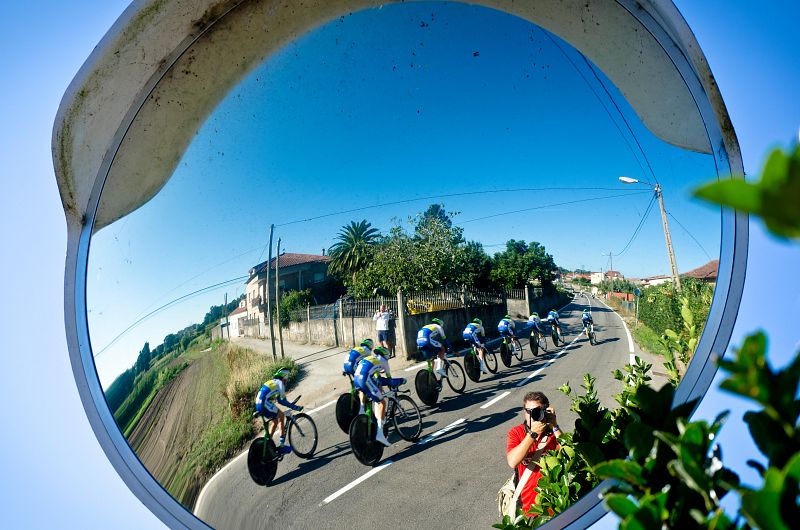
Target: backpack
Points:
(508, 497)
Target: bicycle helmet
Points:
(367, 342)
(283, 373)
(477, 321)
(381, 351)
(437, 321)
(508, 317)
(535, 314)
(585, 310)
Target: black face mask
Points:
(536, 413)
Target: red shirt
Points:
(515, 437)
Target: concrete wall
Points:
(517, 307)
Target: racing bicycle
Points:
(401, 411)
(263, 456)
(472, 362)
(429, 384)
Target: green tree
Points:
(434, 256)
(293, 301)
(353, 249)
(434, 212)
(143, 360)
(521, 263)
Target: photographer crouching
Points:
(528, 441)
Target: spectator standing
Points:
(382, 318)
(528, 441)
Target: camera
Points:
(541, 414)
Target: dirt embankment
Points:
(177, 418)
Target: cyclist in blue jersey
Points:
(586, 319)
(534, 321)
(506, 327)
(552, 317)
(368, 379)
(271, 391)
(352, 360)
(431, 341)
(474, 334)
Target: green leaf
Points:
(623, 470)
(620, 504)
(736, 194)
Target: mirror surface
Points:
(379, 117)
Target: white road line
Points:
(633, 359)
(416, 367)
(624, 325)
(441, 431)
(328, 404)
(229, 464)
(356, 482)
(495, 400)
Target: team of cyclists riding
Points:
(368, 366)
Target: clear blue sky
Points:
(377, 107)
(752, 51)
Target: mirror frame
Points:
(659, 17)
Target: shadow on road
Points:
(320, 459)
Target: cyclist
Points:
(271, 391)
(356, 354)
(534, 322)
(506, 327)
(474, 334)
(428, 342)
(368, 380)
(586, 319)
(552, 317)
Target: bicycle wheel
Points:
(261, 463)
(455, 377)
(406, 418)
(303, 435)
(505, 354)
(473, 367)
(427, 387)
(362, 440)
(518, 351)
(533, 343)
(490, 360)
(592, 337)
(346, 409)
(543, 343)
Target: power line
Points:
(161, 308)
(445, 196)
(542, 207)
(639, 226)
(599, 99)
(690, 235)
(635, 138)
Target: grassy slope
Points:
(183, 445)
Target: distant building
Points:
(297, 272)
(236, 318)
(614, 275)
(597, 277)
(651, 281)
(706, 273)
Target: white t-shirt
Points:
(382, 321)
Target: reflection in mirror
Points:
(391, 167)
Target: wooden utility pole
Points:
(278, 292)
(670, 252)
(266, 292)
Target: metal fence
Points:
(441, 299)
(315, 312)
(366, 307)
(515, 294)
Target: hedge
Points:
(660, 306)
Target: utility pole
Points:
(278, 292)
(266, 292)
(227, 324)
(670, 252)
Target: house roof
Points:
(704, 272)
(237, 311)
(614, 274)
(289, 259)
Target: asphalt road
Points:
(450, 478)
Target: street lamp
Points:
(670, 252)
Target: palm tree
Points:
(351, 252)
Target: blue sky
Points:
(385, 105)
(752, 51)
